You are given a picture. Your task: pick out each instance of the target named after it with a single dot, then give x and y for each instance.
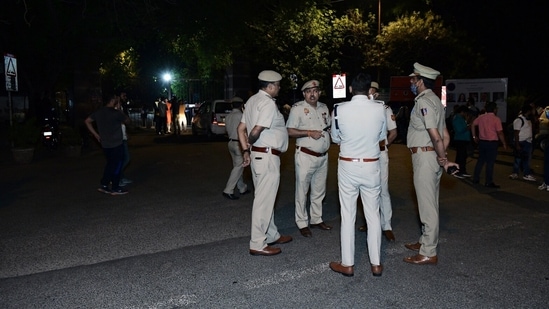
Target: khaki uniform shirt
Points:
(428, 112)
(303, 116)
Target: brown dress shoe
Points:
(377, 270)
(306, 232)
(322, 226)
(344, 270)
(419, 259)
(281, 240)
(389, 235)
(413, 247)
(363, 228)
(266, 251)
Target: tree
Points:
(424, 39)
(311, 42)
(53, 39)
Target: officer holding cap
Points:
(308, 122)
(263, 137)
(427, 140)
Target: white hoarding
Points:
(481, 91)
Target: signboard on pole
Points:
(339, 86)
(10, 70)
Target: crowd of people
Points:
(170, 116)
(482, 129)
(364, 128)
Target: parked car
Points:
(210, 118)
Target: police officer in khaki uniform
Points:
(263, 136)
(309, 121)
(427, 140)
(235, 178)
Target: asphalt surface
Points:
(175, 242)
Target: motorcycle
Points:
(50, 134)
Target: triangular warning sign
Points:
(10, 68)
(339, 84)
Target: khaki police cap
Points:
(310, 84)
(374, 85)
(421, 70)
(237, 99)
(269, 76)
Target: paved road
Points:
(175, 242)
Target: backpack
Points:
(511, 132)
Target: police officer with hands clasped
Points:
(427, 140)
(309, 122)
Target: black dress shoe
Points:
(306, 232)
(245, 192)
(492, 185)
(230, 196)
(322, 226)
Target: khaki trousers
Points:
(427, 175)
(310, 172)
(266, 177)
(235, 178)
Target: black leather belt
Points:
(233, 140)
(310, 152)
(267, 150)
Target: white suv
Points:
(210, 118)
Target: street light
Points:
(168, 78)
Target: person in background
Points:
(160, 114)
(235, 178)
(263, 137)
(428, 140)
(462, 139)
(489, 132)
(522, 149)
(358, 126)
(308, 121)
(168, 116)
(124, 181)
(109, 124)
(181, 118)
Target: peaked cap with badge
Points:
(424, 71)
(310, 84)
